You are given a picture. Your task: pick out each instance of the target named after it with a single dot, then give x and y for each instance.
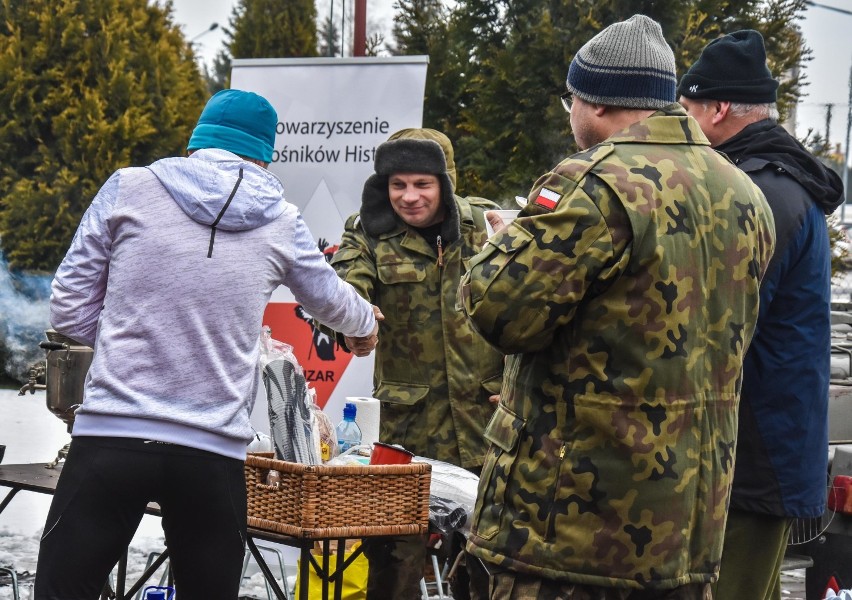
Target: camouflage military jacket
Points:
(433, 372)
(627, 292)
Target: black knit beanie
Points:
(733, 68)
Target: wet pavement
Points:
(793, 585)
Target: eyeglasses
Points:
(567, 98)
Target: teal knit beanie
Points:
(240, 122)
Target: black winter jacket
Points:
(782, 445)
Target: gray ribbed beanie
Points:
(627, 64)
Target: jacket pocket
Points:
(401, 271)
(632, 474)
(401, 293)
(342, 259)
(493, 385)
(405, 394)
(503, 431)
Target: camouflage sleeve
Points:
(483, 203)
(355, 260)
(527, 282)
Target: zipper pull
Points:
(562, 452)
(440, 252)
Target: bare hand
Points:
(379, 315)
(363, 346)
(495, 399)
(495, 220)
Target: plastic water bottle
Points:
(348, 432)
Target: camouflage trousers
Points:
(515, 586)
(396, 567)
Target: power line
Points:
(825, 6)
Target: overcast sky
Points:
(827, 32)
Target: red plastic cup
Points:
(385, 454)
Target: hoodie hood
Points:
(766, 142)
(203, 183)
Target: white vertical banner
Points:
(332, 114)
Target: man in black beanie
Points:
(782, 447)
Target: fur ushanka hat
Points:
(406, 155)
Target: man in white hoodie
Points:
(167, 278)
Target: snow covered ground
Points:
(32, 434)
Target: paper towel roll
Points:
(367, 417)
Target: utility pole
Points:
(342, 28)
(331, 29)
(359, 41)
(828, 109)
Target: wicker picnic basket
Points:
(320, 502)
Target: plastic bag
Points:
(289, 402)
(453, 484)
(354, 456)
(355, 576)
(260, 442)
(324, 434)
(446, 516)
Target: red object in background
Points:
(832, 584)
(322, 360)
(840, 494)
(385, 454)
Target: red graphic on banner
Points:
(321, 358)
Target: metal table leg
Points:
(267, 573)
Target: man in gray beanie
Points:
(782, 452)
(624, 296)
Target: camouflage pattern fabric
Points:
(627, 295)
(518, 587)
(433, 372)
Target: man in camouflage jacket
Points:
(433, 373)
(626, 293)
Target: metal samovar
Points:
(64, 372)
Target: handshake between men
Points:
(362, 346)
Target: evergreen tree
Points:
(218, 78)
(272, 29)
(497, 68)
(87, 87)
(329, 38)
(426, 27)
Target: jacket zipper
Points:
(440, 252)
(222, 212)
(550, 531)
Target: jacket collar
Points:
(669, 125)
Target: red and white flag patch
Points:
(548, 198)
